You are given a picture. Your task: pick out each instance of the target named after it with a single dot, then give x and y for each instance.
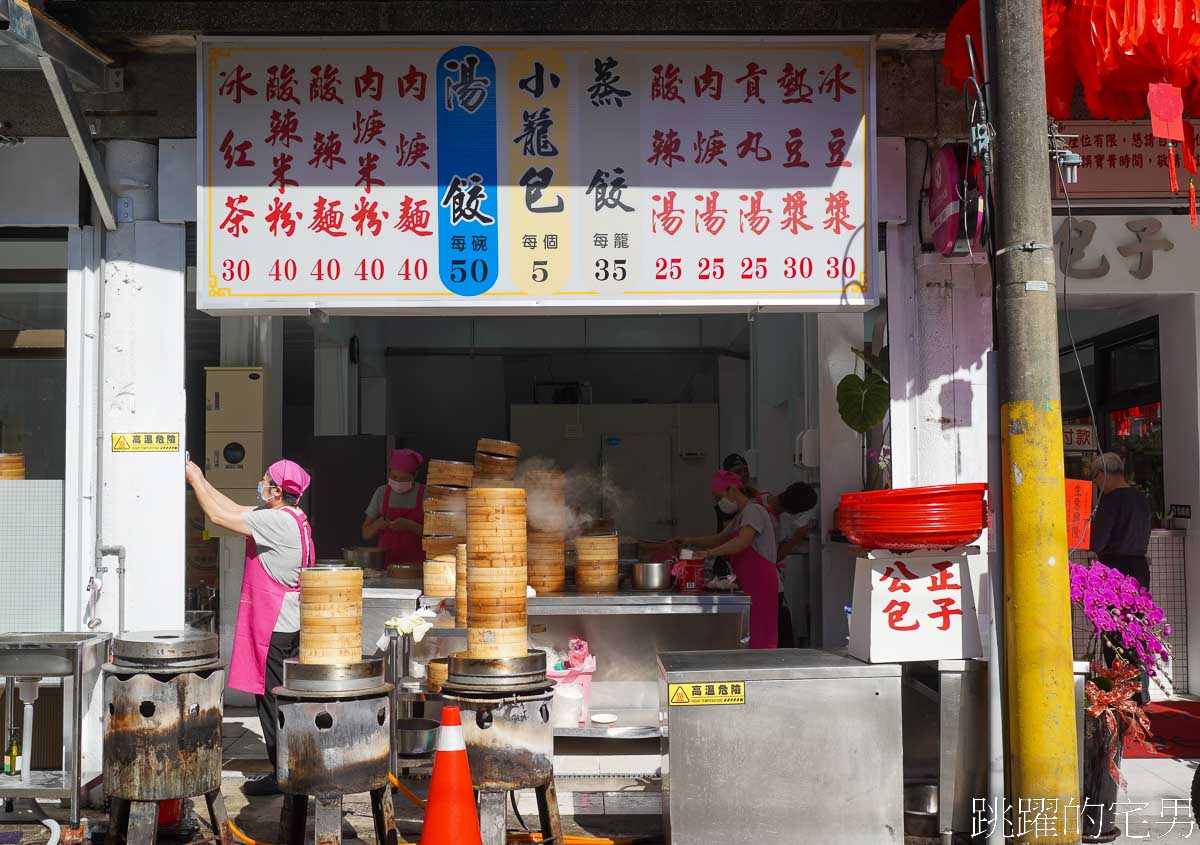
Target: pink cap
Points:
(290, 477)
(723, 480)
(405, 460)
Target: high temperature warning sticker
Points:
(727, 692)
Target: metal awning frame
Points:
(65, 59)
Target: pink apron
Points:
(258, 611)
(402, 546)
(757, 577)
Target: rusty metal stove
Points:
(334, 739)
(163, 709)
(505, 705)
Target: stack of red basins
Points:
(939, 517)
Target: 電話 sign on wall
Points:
(608, 174)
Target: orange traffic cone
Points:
(450, 815)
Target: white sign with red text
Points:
(497, 173)
(913, 606)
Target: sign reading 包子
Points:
(585, 173)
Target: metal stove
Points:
(163, 708)
(335, 739)
(505, 705)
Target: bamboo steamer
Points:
(438, 498)
(436, 546)
(601, 547)
(498, 467)
(12, 466)
(447, 523)
(460, 586)
(331, 615)
(594, 577)
(439, 576)
(437, 671)
(450, 474)
(491, 643)
(550, 580)
(501, 448)
(549, 480)
(546, 556)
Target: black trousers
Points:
(1139, 568)
(787, 638)
(282, 647)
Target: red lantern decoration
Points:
(1128, 54)
(1121, 48)
(1060, 70)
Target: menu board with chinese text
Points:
(500, 173)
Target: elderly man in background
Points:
(1121, 529)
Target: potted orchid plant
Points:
(1134, 631)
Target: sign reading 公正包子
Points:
(587, 173)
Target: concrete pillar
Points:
(940, 311)
(142, 367)
(840, 472)
(84, 247)
(142, 363)
(335, 400)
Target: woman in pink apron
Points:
(278, 545)
(749, 544)
(396, 513)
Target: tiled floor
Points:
(1157, 802)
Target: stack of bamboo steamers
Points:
(331, 614)
(546, 492)
(496, 555)
(445, 526)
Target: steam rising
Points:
(589, 497)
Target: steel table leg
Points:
(329, 820)
(493, 817)
(219, 816)
(293, 819)
(547, 801)
(143, 823)
(118, 819)
(385, 816)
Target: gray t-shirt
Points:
(277, 537)
(397, 500)
(755, 516)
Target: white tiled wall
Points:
(31, 555)
(1169, 589)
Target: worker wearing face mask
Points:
(279, 544)
(750, 545)
(396, 512)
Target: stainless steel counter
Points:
(814, 742)
(625, 631)
(624, 604)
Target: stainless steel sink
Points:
(42, 655)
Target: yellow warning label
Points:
(148, 441)
(726, 692)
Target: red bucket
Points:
(169, 811)
(691, 578)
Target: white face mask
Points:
(400, 486)
(728, 507)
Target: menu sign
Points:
(1120, 160)
(587, 173)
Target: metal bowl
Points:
(416, 737)
(651, 576)
(921, 810)
(366, 557)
